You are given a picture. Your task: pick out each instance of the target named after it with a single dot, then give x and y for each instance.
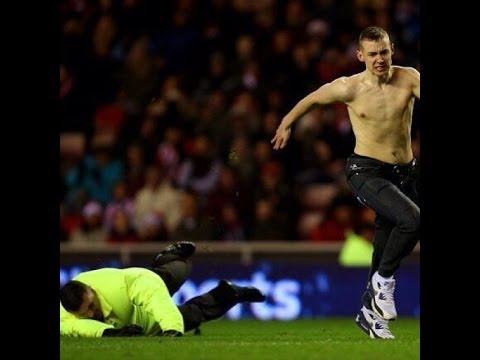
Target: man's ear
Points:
(393, 51)
(360, 56)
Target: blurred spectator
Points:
(121, 201)
(262, 153)
(158, 196)
(169, 152)
(228, 190)
(102, 65)
(270, 122)
(279, 60)
(338, 220)
(199, 172)
(302, 74)
(214, 79)
(244, 113)
(174, 106)
(96, 175)
(244, 52)
(139, 75)
(91, 229)
(272, 186)
(267, 225)
(241, 158)
(121, 228)
(149, 137)
(71, 216)
(74, 108)
(179, 39)
(194, 224)
(212, 121)
(332, 65)
(136, 166)
(152, 228)
(228, 227)
(109, 119)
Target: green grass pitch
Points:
(322, 338)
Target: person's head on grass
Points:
(81, 300)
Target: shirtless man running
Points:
(382, 170)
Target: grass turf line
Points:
(323, 338)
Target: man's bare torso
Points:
(381, 116)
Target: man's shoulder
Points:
(405, 70)
(95, 273)
(347, 85)
(407, 76)
(349, 80)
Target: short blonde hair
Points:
(372, 33)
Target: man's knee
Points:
(174, 274)
(192, 315)
(409, 221)
(180, 269)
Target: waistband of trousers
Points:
(372, 161)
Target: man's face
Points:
(377, 55)
(90, 307)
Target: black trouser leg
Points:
(174, 273)
(411, 190)
(209, 306)
(383, 229)
(396, 207)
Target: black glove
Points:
(129, 330)
(171, 333)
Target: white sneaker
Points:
(374, 325)
(381, 291)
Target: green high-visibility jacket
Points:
(356, 251)
(127, 296)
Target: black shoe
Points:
(243, 293)
(182, 249)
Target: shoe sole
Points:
(365, 329)
(175, 252)
(360, 317)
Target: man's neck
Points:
(378, 80)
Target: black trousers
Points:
(392, 192)
(209, 306)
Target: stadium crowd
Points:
(168, 108)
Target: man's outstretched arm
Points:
(329, 93)
(70, 325)
(83, 328)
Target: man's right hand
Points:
(281, 137)
(129, 330)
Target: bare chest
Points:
(382, 105)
